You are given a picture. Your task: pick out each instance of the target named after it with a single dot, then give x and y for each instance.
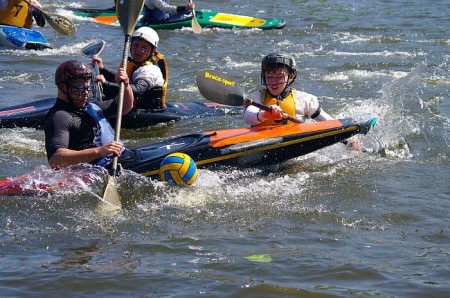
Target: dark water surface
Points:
(334, 223)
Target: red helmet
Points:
(72, 69)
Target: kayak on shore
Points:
(241, 147)
(22, 38)
(33, 114)
(206, 19)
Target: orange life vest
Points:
(16, 14)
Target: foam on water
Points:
(23, 141)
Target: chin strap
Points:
(70, 100)
(282, 95)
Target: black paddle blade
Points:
(93, 49)
(217, 87)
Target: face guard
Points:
(77, 87)
(78, 79)
(274, 62)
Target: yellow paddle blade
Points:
(196, 28)
(111, 194)
(60, 24)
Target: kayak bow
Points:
(22, 38)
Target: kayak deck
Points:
(33, 114)
(245, 146)
(22, 38)
(206, 19)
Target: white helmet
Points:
(147, 34)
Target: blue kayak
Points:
(32, 114)
(22, 38)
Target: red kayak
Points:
(44, 181)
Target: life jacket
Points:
(104, 134)
(16, 14)
(154, 15)
(287, 104)
(155, 98)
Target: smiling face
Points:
(277, 78)
(140, 50)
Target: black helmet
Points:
(275, 59)
(72, 69)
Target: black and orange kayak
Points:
(245, 146)
(241, 147)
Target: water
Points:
(334, 223)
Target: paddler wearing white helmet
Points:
(147, 69)
(278, 72)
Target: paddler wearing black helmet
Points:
(278, 72)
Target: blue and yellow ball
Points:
(178, 168)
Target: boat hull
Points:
(206, 19)
(22, 38)
(33, 114)
(245, 146)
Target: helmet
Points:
(277, 59)
(148, 34)
(72, 69)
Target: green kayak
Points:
(206, 19)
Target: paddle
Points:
(217, 87)
(59, 23)
(91, 50)
(196, 28)
(128, 12)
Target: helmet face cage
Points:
(275, 61)
(77, 76)
(81, 84)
